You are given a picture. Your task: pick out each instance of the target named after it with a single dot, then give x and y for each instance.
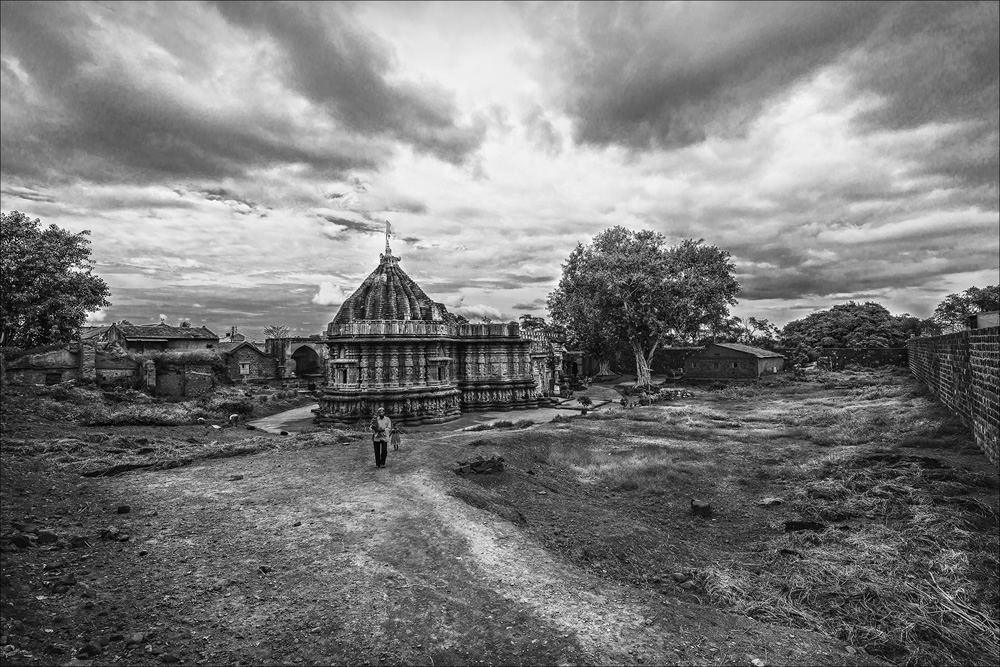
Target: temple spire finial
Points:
(388, 233)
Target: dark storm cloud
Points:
(939, 63)
(28, 194)
(75, 108)
(656, 74)
(223, 195)
(934, 62)
(332, 61)
(351, 226)
(93, 117)
(647, 75)
(536, 304)
(881, 266)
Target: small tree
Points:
(628, 287)
(47, 285)
(530, 323)
(276, 331)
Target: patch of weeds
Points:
(501, 424)
(914, 584)
(906, 594)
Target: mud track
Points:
(318, 557)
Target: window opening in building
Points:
(244, 368)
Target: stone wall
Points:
(963, 370)
(188, 380)
(261, 367)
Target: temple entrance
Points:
(306, 361)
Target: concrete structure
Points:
(719, 361)
(160, 337)
(392, 346)
(988, 318)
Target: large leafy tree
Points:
(630, 288)
(857, 325)
(584, 330)
(48, 285)
(756, 331)
(952, 314)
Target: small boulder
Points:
(770, 501)
(21, 541)
(47, 537)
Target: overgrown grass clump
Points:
(908, 566)
(501, 424)
(913, 578)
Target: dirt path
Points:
(317, 557)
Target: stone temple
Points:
(392, 346)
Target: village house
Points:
(732, 361)
(160, 337)
(245, 362)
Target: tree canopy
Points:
(756, 331)
(630, 288)
(276, 331)
(48, 285)
(857, 325)
(952, 314)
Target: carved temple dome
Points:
(389, 294)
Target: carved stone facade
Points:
(391, 346)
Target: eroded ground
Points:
(311, 555)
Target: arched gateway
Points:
(391, 346)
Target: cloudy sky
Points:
(235, 162)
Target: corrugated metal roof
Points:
(755, 351)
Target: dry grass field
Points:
(852, 518)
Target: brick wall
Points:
(963, 370)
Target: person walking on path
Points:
(381, 425)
